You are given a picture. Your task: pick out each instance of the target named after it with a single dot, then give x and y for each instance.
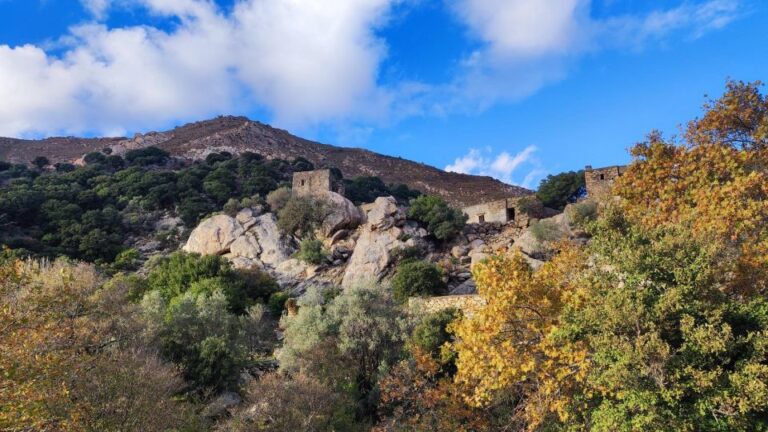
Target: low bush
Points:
(583, 212)
(546, 231)
(278, 198)
(431, 333)
(277, 301)
(301, 216)
(417, 278)
(312, 251)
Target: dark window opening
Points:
(481, 218)
(302, 182)
(602, 176)
(510, 214)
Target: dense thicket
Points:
(89, 212)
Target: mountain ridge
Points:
(239, 134)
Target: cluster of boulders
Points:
(385, 231)
(362, 245)
(249, 239)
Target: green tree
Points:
(557, 190)
(443, 221)
(40, 162)
(417, 278)
(181, 272)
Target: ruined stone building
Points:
(316, 183)
(600, 180)
(501, 211)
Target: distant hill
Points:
(239, 134)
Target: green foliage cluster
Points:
(312, 251)
(443, 221)
(417, 278)
(174, 275)
(346, 342)
(583, 212)
(546, 231)
(366, 189)
(431, 334)
(557, 190)
(300, 216)
(199, 311)
(88, 212)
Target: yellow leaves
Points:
(505, 346)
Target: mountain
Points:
(239, 134)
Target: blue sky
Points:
(515, 89)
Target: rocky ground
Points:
(363, 245)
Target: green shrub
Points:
(40, 162)
(198, 332)
(431, 333)
(583, 212)
(180, 272)
(301, 216)
(231, 207)
(407, 253)
(277, 301)
(278, 198)
(417, 278)
(128, 259)
(546, 231)
(441, 220)
(311, 251)
(146, 156)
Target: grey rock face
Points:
(343, 214)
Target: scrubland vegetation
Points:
(658, 322)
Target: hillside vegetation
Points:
(657, 322)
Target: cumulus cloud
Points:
(502, 166)
(307, 62)
(527, 44)
(304, 61)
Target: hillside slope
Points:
(239, 134)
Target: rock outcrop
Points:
(384, 232)
(343, 215)
(247, 240)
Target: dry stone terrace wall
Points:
(468, 304)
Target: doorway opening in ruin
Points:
(510, 214)
(481, 218)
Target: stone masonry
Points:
(315, 183)
(600, 180)
(501, 211)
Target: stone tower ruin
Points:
(316, 183)
(600, 180)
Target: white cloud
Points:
(527, 44)
(308, 62)
(97, 7)
(502, 166)
(305, 61)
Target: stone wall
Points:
(315, 183)
(600, 180)
(501, 211)
(468, 304)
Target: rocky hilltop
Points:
(239, 134)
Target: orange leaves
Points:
(716, 185)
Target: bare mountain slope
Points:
(238, 134)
